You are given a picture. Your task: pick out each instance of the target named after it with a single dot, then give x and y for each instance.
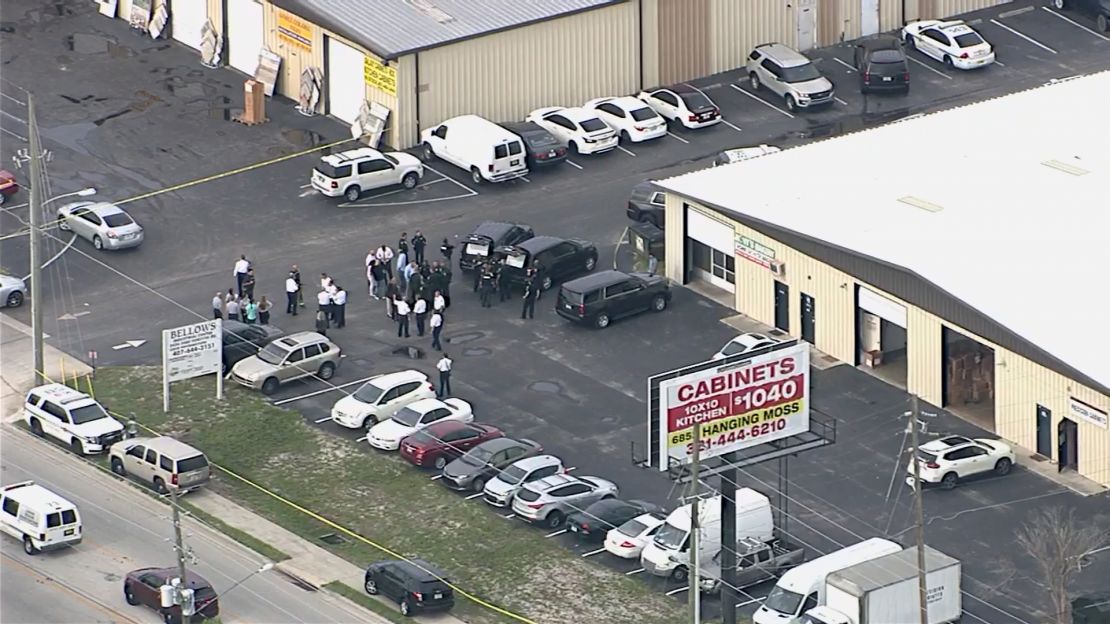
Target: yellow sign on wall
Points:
(380, 75)
(294, 30)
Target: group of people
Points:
(413, 288)
(239, 304)
(331, 304)
(491, 277)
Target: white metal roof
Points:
(1003, 204)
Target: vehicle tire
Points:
(791, 105)
(1103, 23)
(129, 596)
(29, 546)
(371, 586)
(63, 226)
(478, 484)
(947, 61)
(910, 43)
(906, 91)
(352, 193)
(547, 283)
(440, 463)
(98, 244)
(863, 89)
(36, 427)
(1003, 466)
(15, 299)
(949, 481)
(169, 618)
(410, 180)
(555, 520)
(1059, 5)
(117, 467)
(475, 175)
(602, 321)
(625, 137)
(680, 574)
(327, 371)
(160, 486)
(270, 386)
(573, 148)
(406, 608)
(429, 153)
(659, 303)
(76, 446)
(753, 81)
(591, 263)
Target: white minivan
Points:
(803, 588)
(477, 145)
(39, 518)
(668, 554)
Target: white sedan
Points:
(953, 43)
(387, 435)
(632, 119)
(577, 128)
(744, 343)
(628, 540)
(684, 104)
(952, 459)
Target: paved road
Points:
(126, 529)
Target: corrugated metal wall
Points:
(294, 58)
(949, 8)
(560, 62)
(830, 24)
(406, 123)
(684, 39)
(890, 14)
(740, 25)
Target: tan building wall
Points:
(561, 62)
(1020, 384)
(684, 39)
(740, 25)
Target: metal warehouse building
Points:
(950, 254)
(428, 60)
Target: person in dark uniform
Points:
(445, 284)
(446, 248)
(487, 285)
(531, 293)
(418, 245)
(478, 276)
(248, 284)
(503, 291)
(403, 244)
(295, 273)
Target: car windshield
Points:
(644, 114)
(968, 40)
(513, 474)
(87, 414)
(118, 219)
(391, 159)
(593, 125)
(696, 101)
(369, 393)
(671, 537)
(477, 457)
(632, 528)
(783, 600)
(272, 354)
(192, 463)
(800, 73)
(408, 417)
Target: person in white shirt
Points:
(242, 265)
(420, 310)
(218, 306)
(323, 303)
(444, 368)
(339, 307)
(292, 290)
(233, 310)
(437, 326)
(439, 304)
(401, 307)
(385, 256)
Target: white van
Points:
(39, 518)
(803, 588)
(668, 554)
(472, 143)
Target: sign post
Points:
(191, 351)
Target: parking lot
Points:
(578, 392)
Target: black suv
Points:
(559, 258)
(882, 65)
(602, 297)
(488, 236)
(646, 204)
(416, 585)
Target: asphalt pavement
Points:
(125, 530)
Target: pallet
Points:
(239, 118)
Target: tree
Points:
(1058, 541)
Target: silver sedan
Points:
(12, 291)
(550, 500)
(103, 224)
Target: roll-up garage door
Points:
(187, 18)
(709, 231)
(882, 307)
(711, 250)
(346, 80)
(244, 34)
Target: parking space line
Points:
(21, 138)
(999, 63)
(1075, 23)
(319, 392)
(630, 153)
(932, 69)
(850, 68)
(748, 602)
(13, 99)
(1024, 36)
(762, 101)
(636, 571)
(11, 116)
(840, 100)
(358, 203)
(574, 164)
(731, 125)
(675, 136)
(1014, 12)
(677, 590)
(322, 420)
(473, 496)
(556, 533)
(525, 178)
(437, 477)
(444, 175)
(593, 552)
(509, 516)
(304, 186)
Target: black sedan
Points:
(594, 522)
(544, 150)
(242, 340)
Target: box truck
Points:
(885, 590)
(668, 554)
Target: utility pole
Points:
(183, 596)
(695, 559)
(919, 510)
(35, 157)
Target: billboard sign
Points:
(191, 351)
(737, 406)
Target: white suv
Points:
(953, 458)
(789, 74)
(380, 398)
(350, 173)
(71, 417)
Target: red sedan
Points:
(142, 587)
(443, 442)
(8, 185)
